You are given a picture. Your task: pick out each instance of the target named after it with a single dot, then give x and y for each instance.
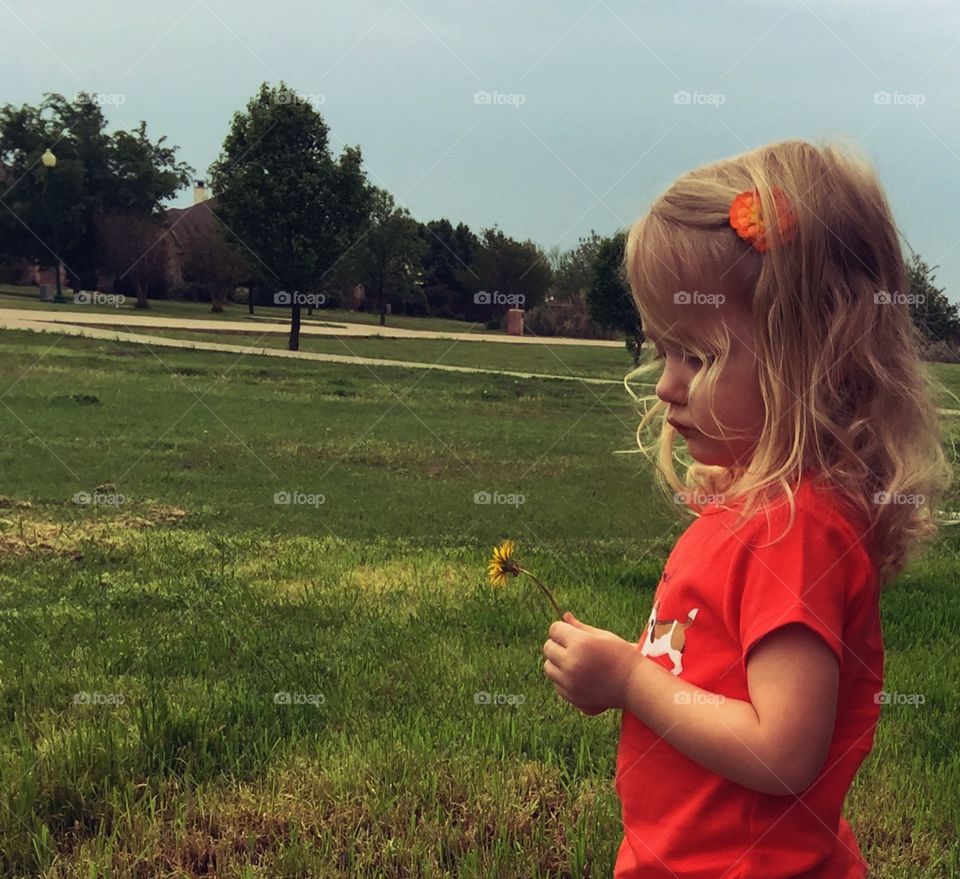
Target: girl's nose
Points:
(672, 386)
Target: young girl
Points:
(773, 288)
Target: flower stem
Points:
(544, 588)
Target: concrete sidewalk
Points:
(10, 320)
(79, 316)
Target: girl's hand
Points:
(590, 668)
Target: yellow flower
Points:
(504, 565)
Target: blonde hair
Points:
(845, 392)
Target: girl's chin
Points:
(702, 455)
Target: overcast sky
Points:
(581, 129)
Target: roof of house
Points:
(196, 219)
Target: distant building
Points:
(184, 224)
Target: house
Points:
(185, 223)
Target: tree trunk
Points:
(250, 292)
(383, 307)
(295, 328)
(634, 342)
(141, 296)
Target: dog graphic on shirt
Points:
(667, 637)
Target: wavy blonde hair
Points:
(845, 392)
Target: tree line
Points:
(298, 227)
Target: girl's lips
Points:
(682, 428)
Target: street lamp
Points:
(49, 161)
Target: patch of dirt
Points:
(24, 532)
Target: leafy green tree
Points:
(609, 296)
(447, 251)
(573, 269)
(213, 263)
(134, 248)
(283, 197)
(934, 315)
(389, 257)
(505, 274)
(51, 213)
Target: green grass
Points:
(183, 610)
(549, 359)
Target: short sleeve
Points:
(807, 576)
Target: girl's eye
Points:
(661, 355)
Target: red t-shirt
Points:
(725, 591)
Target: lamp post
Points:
(49, 161)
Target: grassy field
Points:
(567, 360)
(199, 680)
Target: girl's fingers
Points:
(551, 671)
(558, 633)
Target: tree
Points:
(390, 255)
(934, 315)
(573, 269)
(554, 257)
(505, 274)
(609, 296)
(134, 249)
(447, 251)
(52, 212)
(281, 194)
(213, 263)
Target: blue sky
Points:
(581, 130)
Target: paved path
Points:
(25, 319)
(248, 325)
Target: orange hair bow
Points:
(750, 224)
